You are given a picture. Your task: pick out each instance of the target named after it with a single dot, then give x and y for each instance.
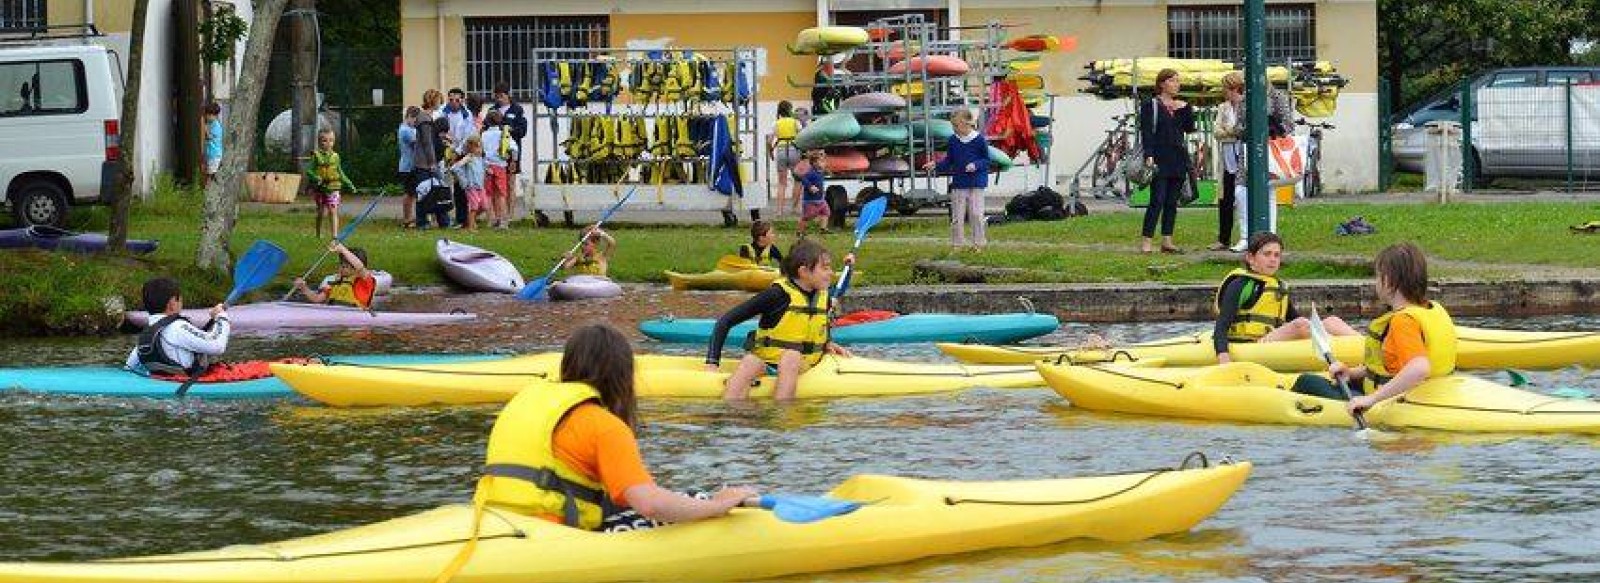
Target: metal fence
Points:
(1544, 134)
(1217, 32)
(499, 49)
(361, 100)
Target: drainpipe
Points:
(955, 19)
(438, 17)
(88, 12)
(822, 12)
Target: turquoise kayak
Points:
(986, 329)
(108, 381)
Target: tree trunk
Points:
(221, 206)
(122, 193)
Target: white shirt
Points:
(491, 147)
(181, 340)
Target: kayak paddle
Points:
(343, 234)
(1324, 347)
(870, 215)
(259, 264)
(534, 289)
(802, 509)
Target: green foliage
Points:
(219, 34)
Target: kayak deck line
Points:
(1149, 475)
(1114, 372)
(516, 533)
(1486, 340)
(1529, 411)
(437, 371)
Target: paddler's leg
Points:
(1297, 329)
(790, 365)
(1317, 386)
(1338, 327)
(751, 367)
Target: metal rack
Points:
(547, 126)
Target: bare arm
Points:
(1410, 375)
(661, 504)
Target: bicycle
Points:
(1312, 180)
(1199, 167)
(1107, 174)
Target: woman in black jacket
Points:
(1163, 122)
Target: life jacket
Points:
(763, 258)
(1438, 333)
(155, 359)
(550, 85)
(585, 265)
(785, 129)
(325, 166)
(507, 144)
(803, 328)
(1258, 315)
(357, 292)
(521, 471)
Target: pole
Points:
(303, 130)
(1256, 88)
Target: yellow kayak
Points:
(745, 279)
(1249, 392)
(1477, 349)
(353, 385)
(904, 519)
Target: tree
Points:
(123, 192)
(221, 207)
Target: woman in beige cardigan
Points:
(1229, 133)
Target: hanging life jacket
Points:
(1258, 313)
(803, 328)
(550, 85)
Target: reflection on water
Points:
(95, 478)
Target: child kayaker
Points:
(762, 250)
(1253, 305)
(793, 332)
(591, 259)
(353, 285)
(1413, 342)
(171, 344)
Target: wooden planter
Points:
(273, 187)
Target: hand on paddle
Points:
(1342, 373)
(219, 311)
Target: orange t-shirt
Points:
(602, 447)
(1403, 343)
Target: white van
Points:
(60, 134)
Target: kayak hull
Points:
(107, 381)
(903, 520)
(1477, 349)
(753, 280)
(655, 376)
(55, 239)
(988, 328)
(477, 269)
(1251, 393)
(285, 315)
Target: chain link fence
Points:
(1542, 128)
(361, 101)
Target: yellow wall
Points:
(1347, 35)
(419, 43)
(770, 30)
(110, 16)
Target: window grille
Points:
(500, 50)
(1217, 32)
(18, 15)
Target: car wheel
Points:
(40, 203)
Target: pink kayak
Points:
(279, 315)
(584, 287)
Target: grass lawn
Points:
(48, 293)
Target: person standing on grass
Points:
(1229, 130)
(967, 161)
(459, 124)
(1163, 122)
(783, 154)
(499, 149)
(406, 137)
(328, 181)
(213, 149)
(514, 118)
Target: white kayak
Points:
(477, 269)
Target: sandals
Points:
(1171, 250)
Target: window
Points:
(1516, 79)
(42, 88)
(1569, 78)
(1217, 32)
(22, 15)
(500, 50)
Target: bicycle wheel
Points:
(1313, 177)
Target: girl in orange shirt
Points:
(1413, 342)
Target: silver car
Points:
(1518, 126)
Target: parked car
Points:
(60, 134)
(1535, 91)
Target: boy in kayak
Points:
(172, 345)
(762, 250)
(1413, 342)
(353, 285)
(1253, 305)
(591, 259)
(793, 332)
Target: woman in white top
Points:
(1229, 132)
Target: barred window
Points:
(1217, 32)
(500, 50)
(22, 15)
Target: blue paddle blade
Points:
(534, 290)
(870, 215)
(259, 264)
(805, 509)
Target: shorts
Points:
(326, 199)
(212, 164)
(497, 183)
(786, 155)
(476, 200)
(408, 182)
(814, 209)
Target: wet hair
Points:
(785, 109)
(805, 254)
(213, 109)
(1404, 268)
(157, 292)
(600, 356)
(759, 228)
(359, 252)
(1260, 240)
(1163, 76)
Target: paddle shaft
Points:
(1360, 417)
(348, 230)
(584, 238)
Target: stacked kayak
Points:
(54, 239)
(1477, 349)
(584, 287)
(904, 519)
(991, 328)
(285, 315)
(108, 381)
(476, 268)
(655, 376)
(1249, 392)
(827, 40)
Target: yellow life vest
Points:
(522, 472)
(343, 292)
(504, 148)
(583, 265)
(785, 129)
(1438, 333)
(763, 258)
(803, 328)
(1254, 320)
(326, 167)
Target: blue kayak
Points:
(108, 381)
(985, 329)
